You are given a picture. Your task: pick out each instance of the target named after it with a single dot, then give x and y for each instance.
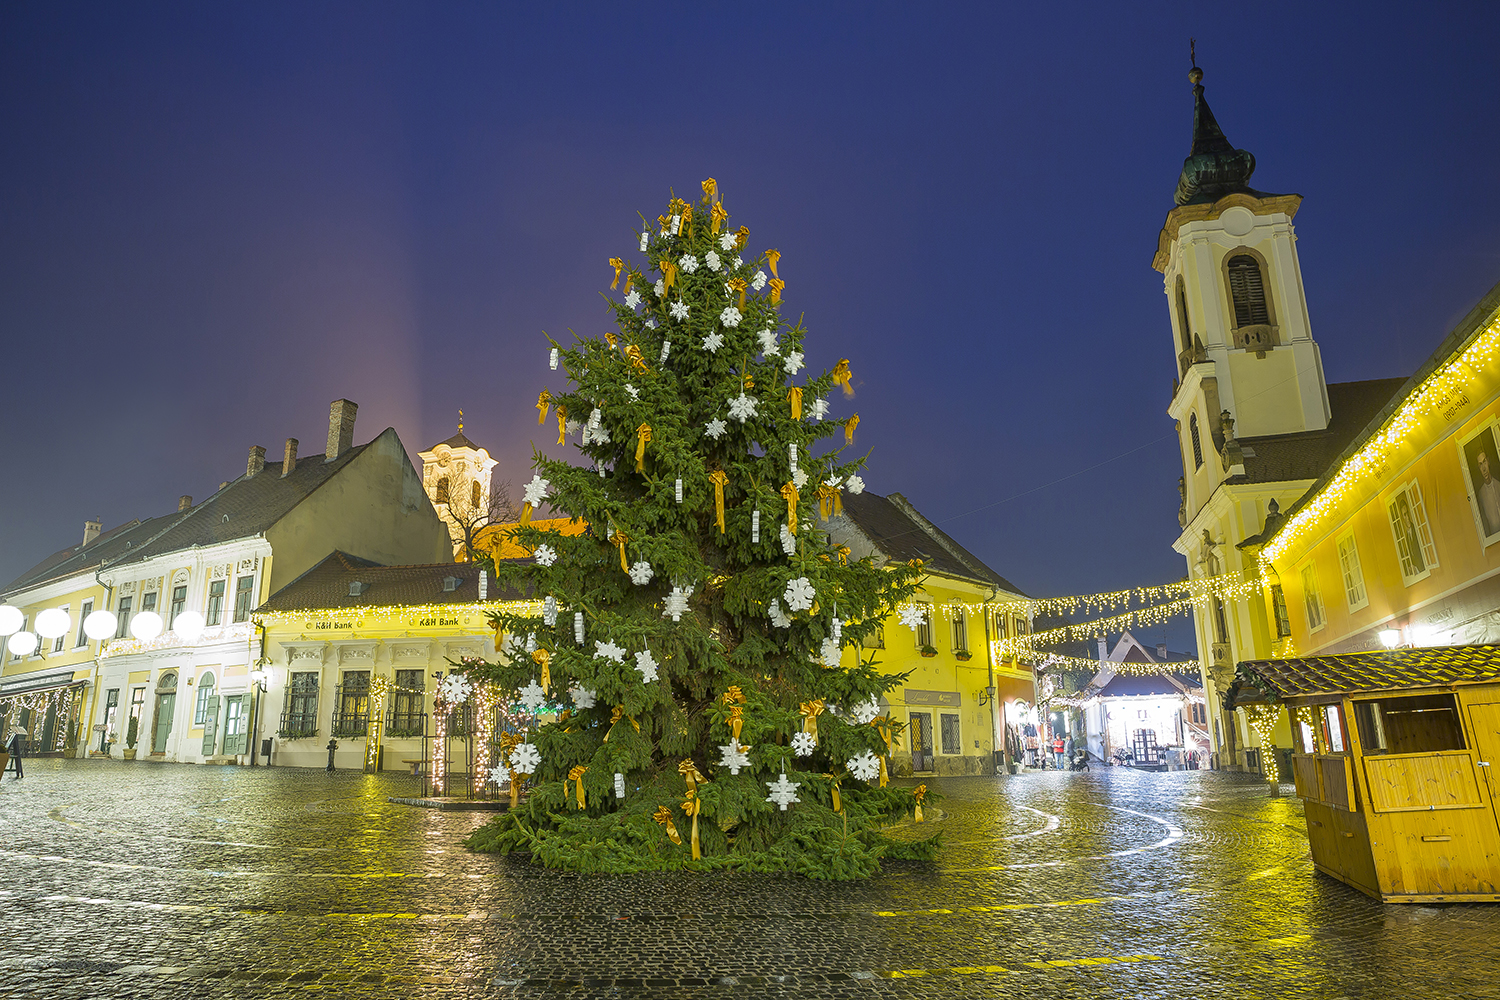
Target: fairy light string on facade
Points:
(1375, 456)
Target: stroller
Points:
(1080, 761)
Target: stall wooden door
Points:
(1485, 718)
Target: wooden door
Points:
(234, 724)
(165, 703)
(210, 725)
(1485, 718)
(921, 741)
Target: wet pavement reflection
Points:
(158, 880)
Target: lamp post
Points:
(258, 677)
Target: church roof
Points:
(1213, 167)
(1308, 454)
(457, 441)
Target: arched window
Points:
(167, 682)
(474, 496)
(1184, 329)
(1197, 441)
(1247, 288)
(205, 695)
(442, 490)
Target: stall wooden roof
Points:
(1351, 673)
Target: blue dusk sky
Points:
(216, 218)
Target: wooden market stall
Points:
(1395, 760)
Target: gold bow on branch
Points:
(829, 502)
(716, 217)
(720, 479)
(642, 435)
(687, 220)
(794, 396)
(841, 376)
(883, 725)
(920, 793)
(741, 237)
(838, 806)
(576, 776)
(611, 339)
(789, 493)
(543, 405)
(711, 191)
(633, 354)
(735, 699)
(668, 275)
(842, 550)
(693, 805)
(618, 265)
(772, 257)
(810, 711)
(777, 287)
(525, 519)
(615, 715)
(620, 539)
(562, 424)
(543, 660)
(738, 284)
(663, 816)
(849, 426)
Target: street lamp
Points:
(258, 677)
(1390, 637)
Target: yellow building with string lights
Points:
(353, 653)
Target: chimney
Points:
(184, 502)
(1161, 652)
(1103, 649)
(289, 459)
(340, 428)
(91, 531)
(257, 461)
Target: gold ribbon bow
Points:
(543, 659)
(919, 793)
(711, 191)
(508, 742)
(525, 514)
(777, 287)
(794, 396)
(662, 221)
(841, 376)
(633, 354)
(611, 338)
(742, 236)
(618, 265)
(642, 435)
(615, 715)
(562, 424)
(738, 284)
(838, 806)
(883, 724)
(826, 497)
(720, 479)
(576, 776)
(663, 816)
(772, 256)
(620, 539)
(810, 712)
(735, 698)
(849, 426)
(687, 220)
(668, 275)
(692, 806)
(543, 405)
(842, 550)
(716, 217)
(789, 493)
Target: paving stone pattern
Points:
(127, 880)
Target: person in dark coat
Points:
(13, 747)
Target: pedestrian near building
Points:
(15, 746)
(1067, 754)
(1057, 752)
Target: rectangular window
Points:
(1426, 723)
(1354, 579)
(137, 705)
(952, 743)
(205, 696)
(1333, 728)
(1200, 714)
(960, 630)
(179, 604)
(924, 630)
(1001, 620)
(83, 612)
(1312, 601)
(244, 594)
(60, 641)
(1278, 605)
(407, 715)
(111, 709)
(122, 612)
(875, 639)
(301, 716)
(1413, 535)
(352, 713)
(215, 602)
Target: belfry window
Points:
(1247, 288)
(1197, 441)
(475, 495)
(1184, 329)
(442, 490)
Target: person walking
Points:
(1057, 749)
(13, 746)
(1068, 752)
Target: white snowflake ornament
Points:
(819, 409)
(788, 541)
(799, 479)
(688, 263)
(742, 407)
(865, 766)
(778, 617)
(783, 792)
(676, 604)
(635, 394)
(634, 299)
(546, 555)
(830, 652)
(769, 345)
(730, 316)
(759, 281)
(536, 490)
(641, 573)
(799, 594)
(533, 697)
(854, 485)
(913, 617)
(646, 664)
(497, 774)
(582, 696)
(866, 710)
(713, 342)
(455, 689)
(793, 363)
(727, 241)
(715, 428)
(679, 310)
(734, 756)
(712, 260)
(660, 288)
(803, 744)
(525, 758)
(609, 651)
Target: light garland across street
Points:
(1131, 668)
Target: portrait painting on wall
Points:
(1482, 470)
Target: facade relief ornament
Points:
(179, 576)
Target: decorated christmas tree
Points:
(703, 636)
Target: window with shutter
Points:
(1247, 289)
(1197, 441)
(1184, 328)
(1354, 579)
(1278, 604)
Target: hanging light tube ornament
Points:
(619, 785)
(676, 224)
(677, 491)
(552, 360)
(791, 452)
(755, 527)
(666, 348)
(578, 627)
(645, 238)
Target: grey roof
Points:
(326, 585)
(457, 441)
(899, 531)
(110, 545)
(244, 508)
(1308, 454)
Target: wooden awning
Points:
(1316, 677)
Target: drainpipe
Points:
(258, 692)
(997, 739)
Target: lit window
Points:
(1354, 580)
(924, 629)
(1311, 599)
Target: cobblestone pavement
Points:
(157, 880)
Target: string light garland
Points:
(1437, 392)
(1025, 646)
(1128, 667)
(237, 632)
(385, 612)
(1263, 719)
(1200, 591)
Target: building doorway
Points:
(234, 725)
(166, 702)
(921, 741)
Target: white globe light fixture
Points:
(11, 619)
(100, 625)
(146, 626)
(188, 626)
(23, 643)
(1390, 638)
(52, 623)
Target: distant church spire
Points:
(1214, 167)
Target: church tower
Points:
(1247, 366)
(456, 476)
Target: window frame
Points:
(1312, 597)
(214, 609)
(960, 629)
(84, 610)
(201, 698)
(299, 717)
(242, 608)
(25, 620)
(1410, 493)
(61, 642)
(943, 730)
(923, 631)
(1356, 594)
(124, 607)
(1279, 611)
(178, 605)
